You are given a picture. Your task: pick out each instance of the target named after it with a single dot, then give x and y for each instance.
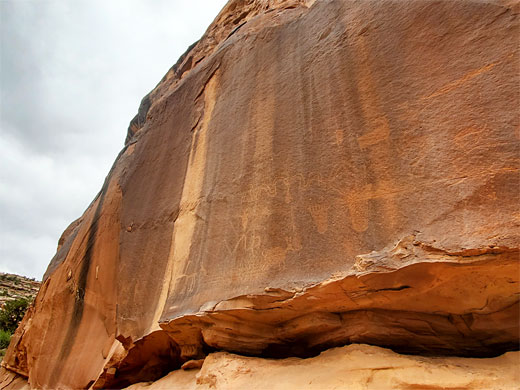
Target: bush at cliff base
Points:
(12, 313)
(5, 338)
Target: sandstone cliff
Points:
(310, 174)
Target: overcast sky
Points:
(73, 73)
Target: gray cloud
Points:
(72, 74)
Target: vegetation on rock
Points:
(12, 313)
(5, 338)
(16, 293)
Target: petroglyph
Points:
(339, 137)
(275, 256)
(463, 80)
(357, 203)
(319, 213)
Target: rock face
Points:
(356, 367)
(310, 174)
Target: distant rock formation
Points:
(309, 175)
(13, 287)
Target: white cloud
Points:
(72, 77)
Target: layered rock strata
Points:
(13, 287)
(310, 174)
(356, 367)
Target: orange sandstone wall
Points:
(310, 174)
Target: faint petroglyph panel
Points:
(275, 257)
(251, 243)
(185, 284)
(461, 81)
(259, 191)
(320, 216)
(294, 242)
(339, 137)
(288, 196)
(357, 202)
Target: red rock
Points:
(193, 364)
(325, 173)
(352, 367)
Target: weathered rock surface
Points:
(356, 367)
(310, 174)
(12, 381)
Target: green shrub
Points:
(12, 313)
(5, 338)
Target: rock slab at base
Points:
(356, 367)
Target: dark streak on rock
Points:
(236, 29)
(79, 304)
